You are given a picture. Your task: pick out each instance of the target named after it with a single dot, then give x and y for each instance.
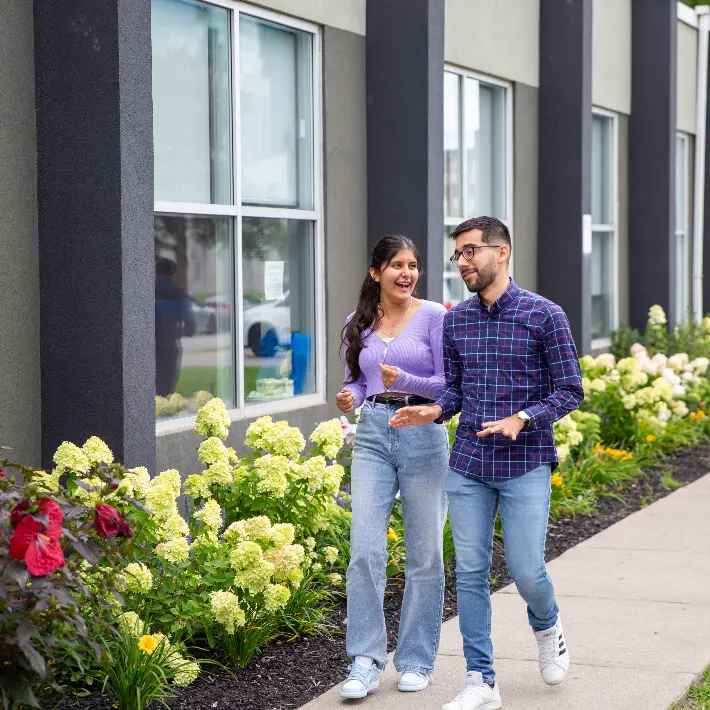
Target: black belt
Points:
(399, 401)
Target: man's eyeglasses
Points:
(469, 252)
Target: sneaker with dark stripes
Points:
(554, 655)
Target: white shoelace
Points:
(548, 648)
(360, 673)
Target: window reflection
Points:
(278, 308)
(193, 312)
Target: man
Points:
(173, 320)
(511, 370)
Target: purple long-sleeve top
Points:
(417, 353)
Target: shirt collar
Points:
(504, 300)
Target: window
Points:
(682, 231)
(477, 161)
(237, 212)
(604, 186)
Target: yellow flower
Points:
(700, 414)
(148, 644)
(597, 448)
(650, 438)
(640, 421)
(392, 535)
(628, 457)
(556, 480)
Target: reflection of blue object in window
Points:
(300, 351)
(268, 343)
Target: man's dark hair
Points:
(492, 229)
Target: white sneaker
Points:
(477, 695)
(411, 682)
(362, 679)
(554, 656)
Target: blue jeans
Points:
(524, 504)
(413, 461)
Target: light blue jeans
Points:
(524, 504)
(413, 461)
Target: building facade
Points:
(190, 190)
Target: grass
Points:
(698, 695)
(194, 379)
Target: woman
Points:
(394, 357)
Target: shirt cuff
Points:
(538, 415)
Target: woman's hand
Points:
(389, 375)
(345, 400)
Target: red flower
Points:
(37, 543)
(18, 512)
(110, 523)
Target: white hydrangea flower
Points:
(329, 436)
(210, 515)
(605, 360)
(226, 610)
(69, 457)
(213, 420)
(137, 577)
(657, 316)
(97, 451)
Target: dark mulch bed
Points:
(284, 676)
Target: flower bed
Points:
(176, 577)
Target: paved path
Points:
(635, 602)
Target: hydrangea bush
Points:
(251, 541)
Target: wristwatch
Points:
(525, 417)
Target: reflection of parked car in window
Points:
(205, 317)
(260, 319)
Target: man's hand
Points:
(345, 400)
(510, 427)
(389, 375)
(415, 416)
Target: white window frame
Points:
(613, 229)
(244, 410)
(684, 316)
(452, 221)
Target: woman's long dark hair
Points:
(367, 315)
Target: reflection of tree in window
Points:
(172, 234)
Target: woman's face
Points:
(398, 278)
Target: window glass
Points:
(192, 101)
(278, 259)
(475, 162)
(602, 269)
(485, 133)
(602, 184)
(276, 114)
(194, 311)
(203, 330)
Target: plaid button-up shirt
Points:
(516, 356)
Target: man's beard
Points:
(485, 277)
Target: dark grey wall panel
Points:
(564, 184)
(525, 167)
(19, 293)
(652, 129)
(405, 128)
(346, 247)
(95, 191)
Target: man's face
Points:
(481, 271)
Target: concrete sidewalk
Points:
(635, 603)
